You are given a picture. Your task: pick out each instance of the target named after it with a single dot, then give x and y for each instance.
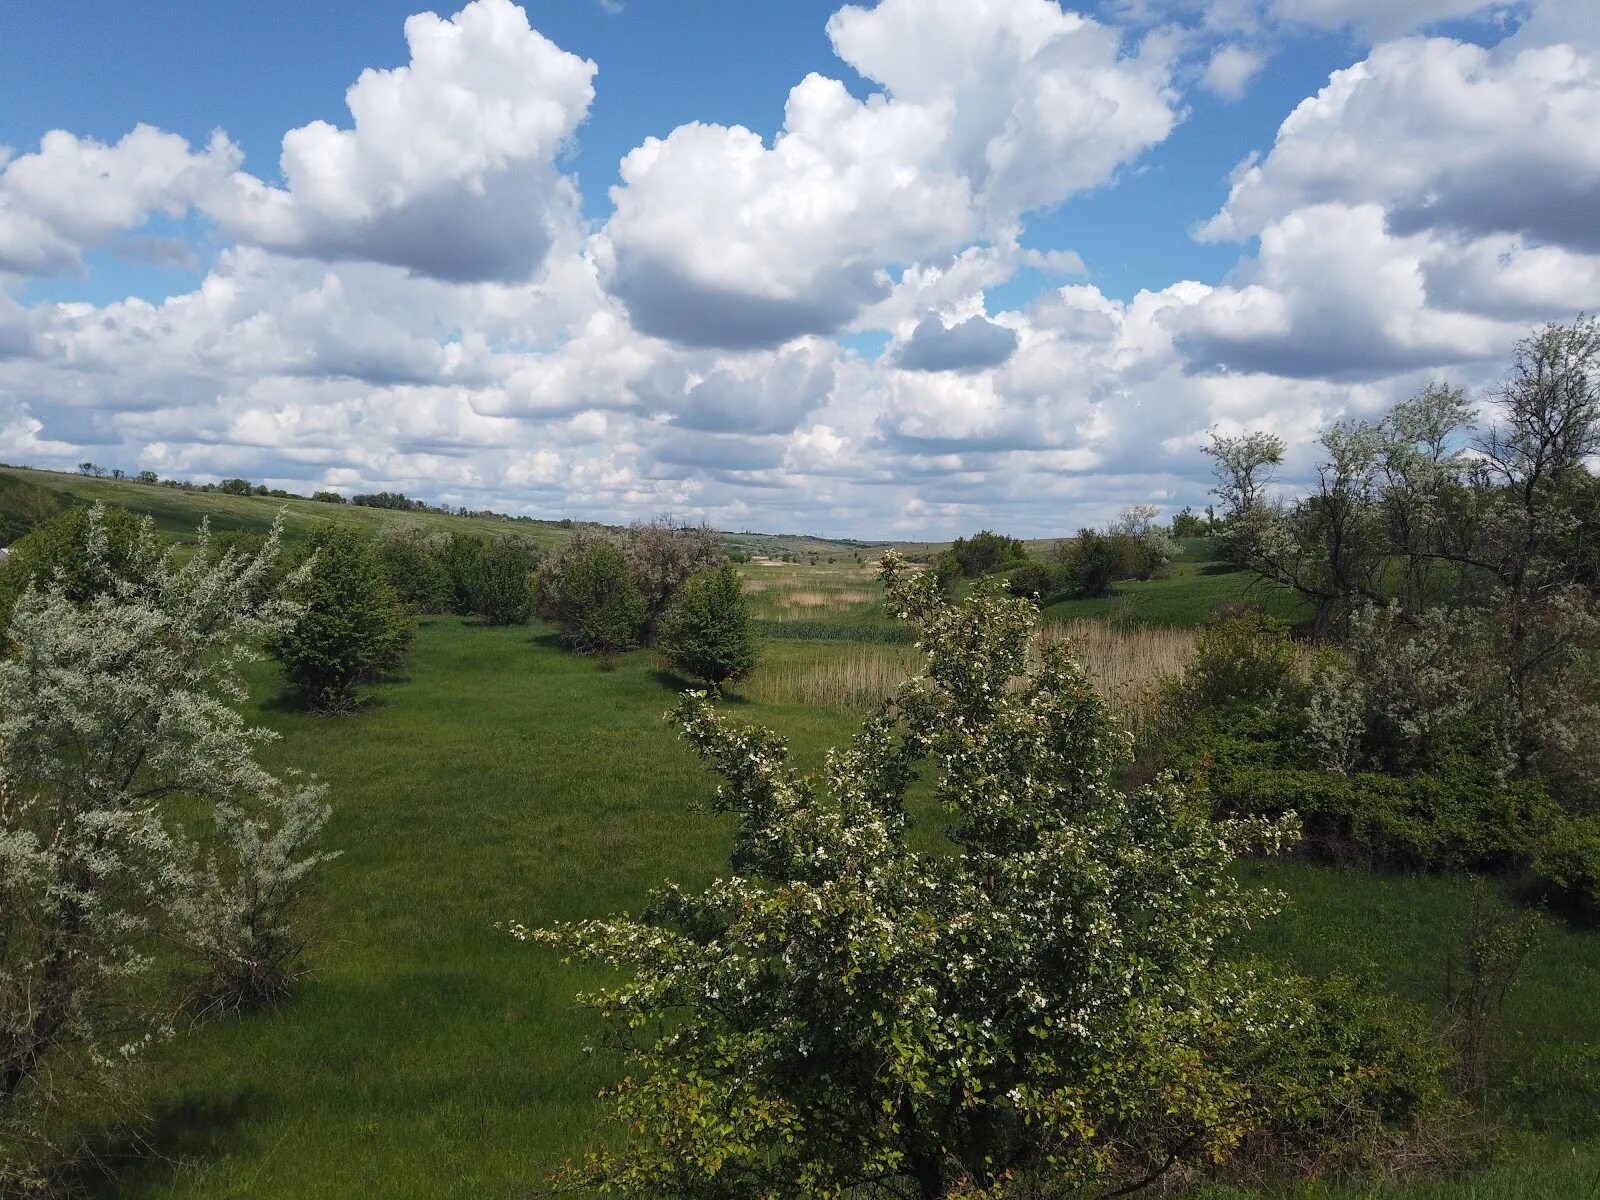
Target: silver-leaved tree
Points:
(1039, 999)
(134, 813)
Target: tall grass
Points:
(1129, 666)
(855, 677)
(1129, 663)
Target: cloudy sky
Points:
(909, 268)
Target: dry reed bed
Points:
(1129, 666)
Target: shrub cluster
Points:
(1132, 547)
(610, 592)
(591, 596)
(1392, 749)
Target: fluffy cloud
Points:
(1445, 135)
(990, 108)
(1230, 71)
(449, 168)
(965, 346)
(75, 193)
(1334, 293)
(417, 307)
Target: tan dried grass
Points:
(1129, 666)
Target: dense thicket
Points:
(1132, 546)
(1458, 568)
(589, 593)
(608, 592)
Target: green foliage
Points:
(1186, 523)
(351, 627)
(1567, 859)
(662, 555)
(1039, 1006)
(589, 593)
(706, 633)
(1382, 754)
(1480, 972)
(985, 553)
(1360, 1071)
(500, 585)
(394, 500)
(1092, 563)
(57, 550)
(413, 563)
(1039, 581)
(460, 557)
(1242, 657)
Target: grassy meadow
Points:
(429, 1055)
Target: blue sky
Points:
(463, 298)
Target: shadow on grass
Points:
(679, 684)
(186, 1133)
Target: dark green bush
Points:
(352, 628)
(985, 552)
(590, 595)
(500, 582)
(413, 563)
(58, 547)
(1036, 580)
(460, 559)
(1244, 657)
(1091, 564)
(1567, 861)
(706, 633)
(1359, 1073)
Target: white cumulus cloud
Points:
(449, 168)
(990, 108)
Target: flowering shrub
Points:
(133, 812)
(1042, 1002)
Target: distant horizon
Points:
(891, 271)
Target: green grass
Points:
(430, 1055)
(1191, 593)
(504, 779)
(178, 512)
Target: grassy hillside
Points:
(178, 512)
(432, 1056)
